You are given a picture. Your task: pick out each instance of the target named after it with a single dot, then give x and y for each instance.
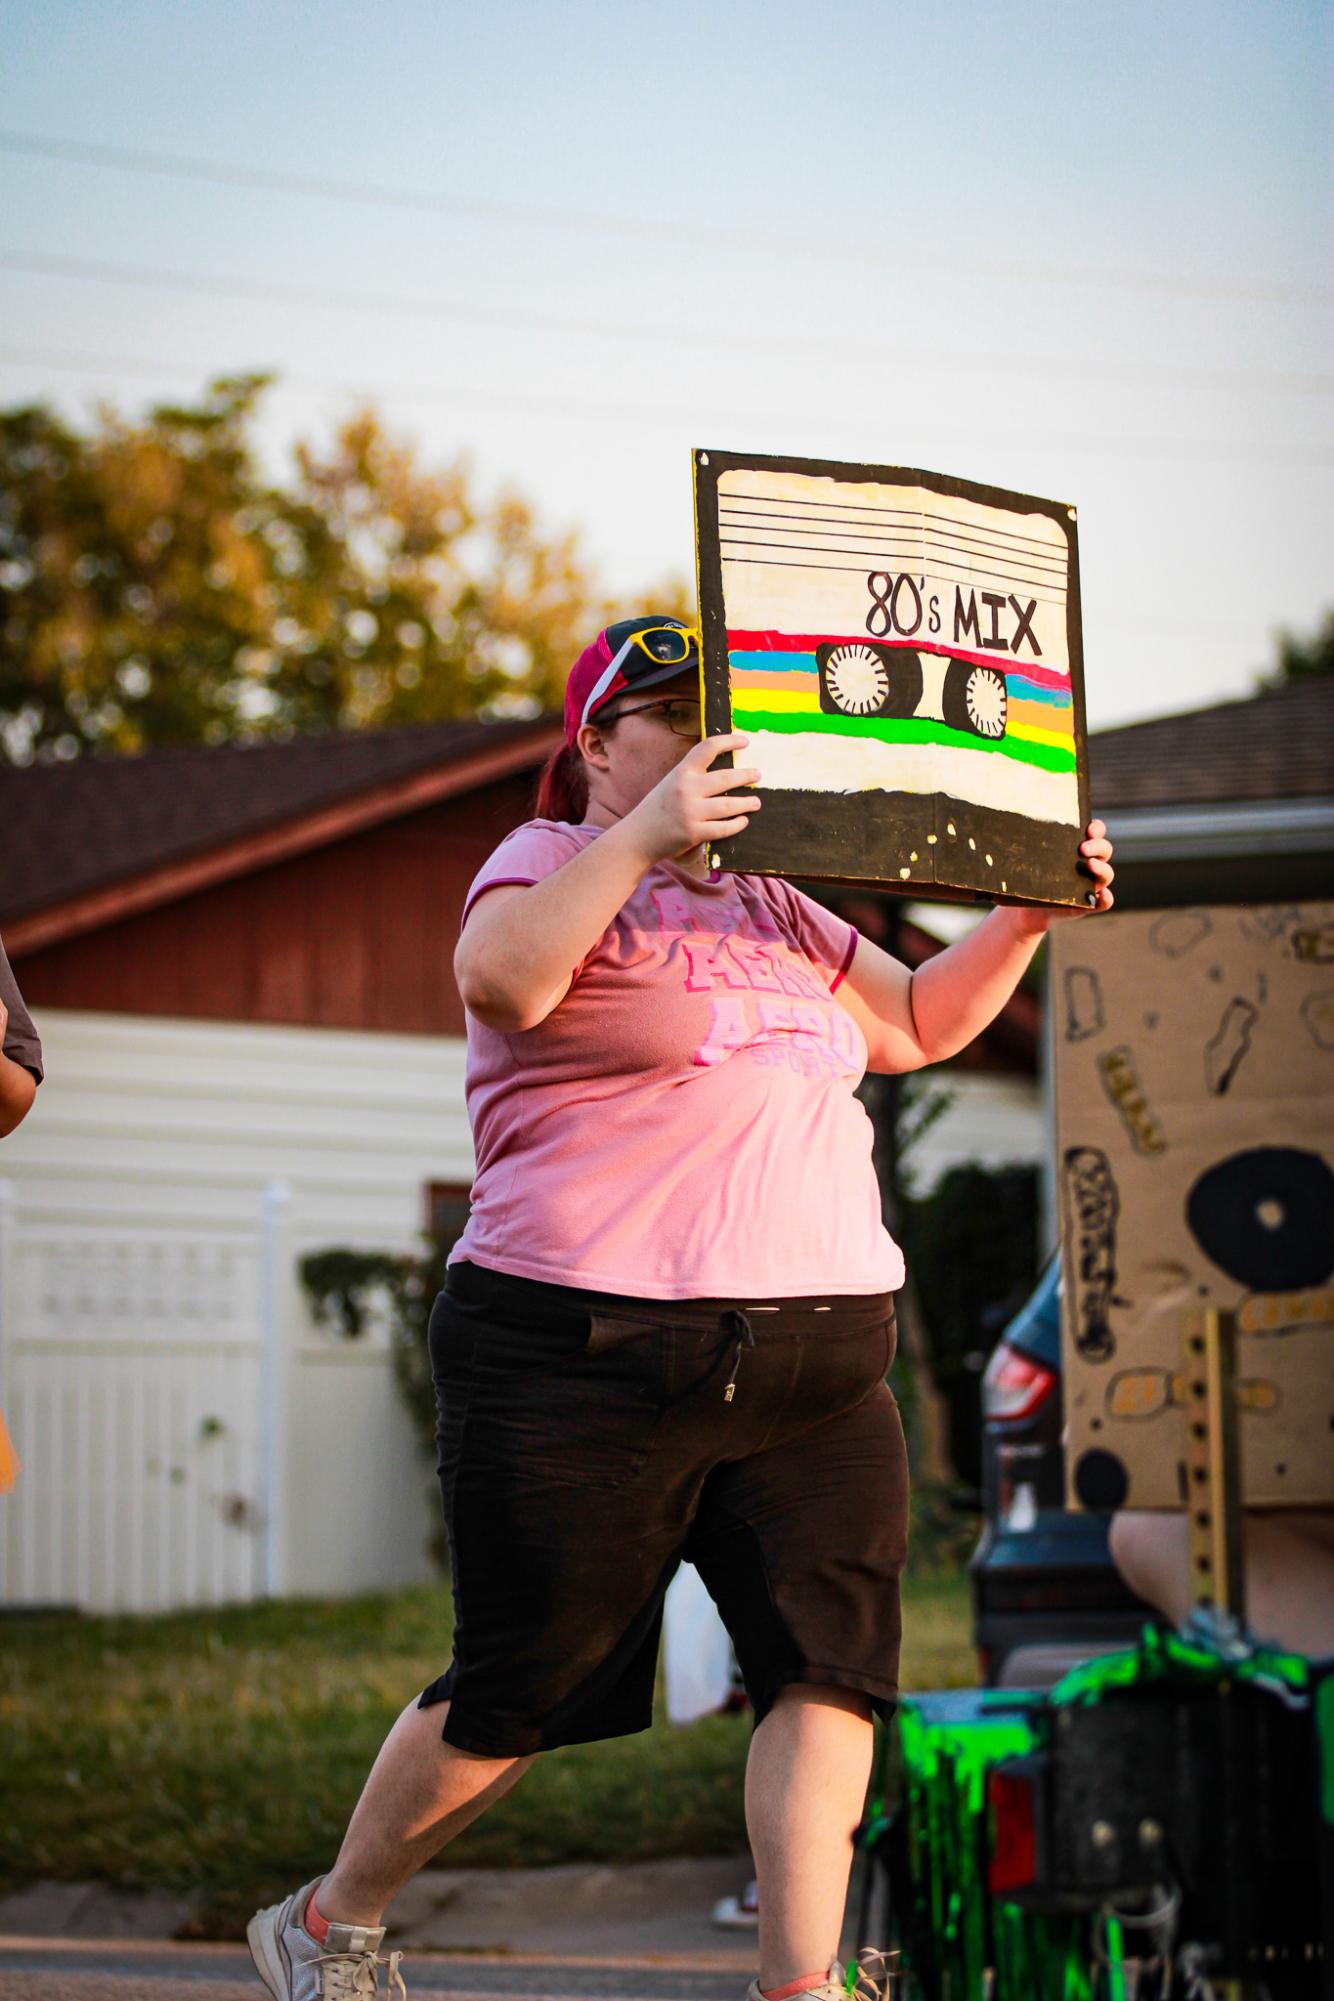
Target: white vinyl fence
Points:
(187, 1434)
(133, 1380)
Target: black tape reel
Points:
(1266, 1218)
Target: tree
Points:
(1303, 659)
(157, 588)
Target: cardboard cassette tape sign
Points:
(902, 649)
(1195, 1120)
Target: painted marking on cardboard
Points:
(1135, 1394)
(1226, 1049)
(1120, 1080)
(1092, 1198)
(1279, 1313)
(1313, 944)
(1085, 1015)
(1179, 932)
(1101, 1481)
(1268, 923)
(1265, 1216)
(1317, 1017)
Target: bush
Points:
(346, 1287)
(972, 1247)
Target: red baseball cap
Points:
(633, 653)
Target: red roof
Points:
(78, 835)
(99, 835)
(1275, 745)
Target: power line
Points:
(1203, 451)
(264, 291)
(588, 222)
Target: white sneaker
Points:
(294, 1967)
(861, 1982)
(739, 1913)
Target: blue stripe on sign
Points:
(1025, 690)
(774, 663)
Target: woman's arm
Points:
(520, 946)
(911, 1019)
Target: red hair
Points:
(562, 789)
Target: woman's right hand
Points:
(693, 804)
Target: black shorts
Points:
(587, 1444)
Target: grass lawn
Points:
(225, 1748)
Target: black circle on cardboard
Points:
(1100, 1480)
(1223, 1211)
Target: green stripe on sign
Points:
(892, 729)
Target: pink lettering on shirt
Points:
(729, 1030)
(683, 1124)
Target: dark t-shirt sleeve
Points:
(22, 1044)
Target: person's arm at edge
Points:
(18, 1083)
(912, 1019)
(18, 1088)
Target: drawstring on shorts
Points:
(734, 1321)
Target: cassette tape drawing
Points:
(903, 651)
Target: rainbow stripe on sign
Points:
(780, 691)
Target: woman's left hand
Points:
(1096, 850)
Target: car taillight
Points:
(1014, 1386)
(1013, 1862)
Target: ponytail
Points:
(562, 789)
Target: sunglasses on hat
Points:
(667, 645)
(633, 653)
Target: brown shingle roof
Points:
(1277, 745)
(67, 829)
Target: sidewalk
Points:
(634, 1932)
(223, 1973)
(640, 1908)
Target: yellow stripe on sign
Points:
(746, 687)
(1025, 733)
(777, 701)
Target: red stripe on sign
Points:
(806, 642)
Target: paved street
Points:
(93, 1970)
(632, 1932)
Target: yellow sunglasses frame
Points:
(689, 633)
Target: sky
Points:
(1081, 251)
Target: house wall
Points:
(132, 1308)
(358, 934)
(298, 1025)
(994, 1120)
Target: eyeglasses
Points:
(681, 716)
(667, 645)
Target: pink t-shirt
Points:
(682, 1125)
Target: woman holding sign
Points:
(666, 1328)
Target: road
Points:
(102, 1970)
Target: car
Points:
(1046, 1594)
